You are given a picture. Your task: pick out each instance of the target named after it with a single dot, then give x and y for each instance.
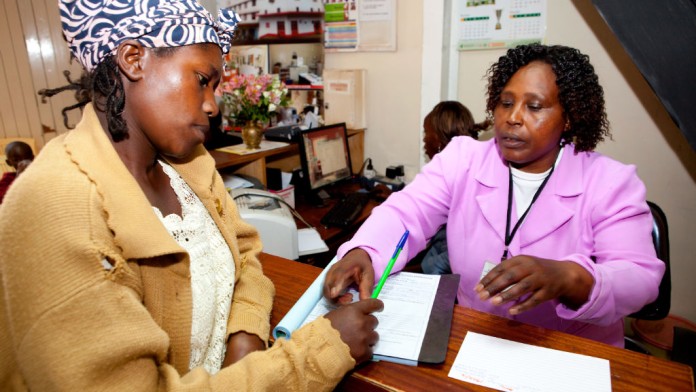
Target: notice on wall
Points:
(341, 25)
(493, 24)
(360, 25)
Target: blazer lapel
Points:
(493, 202)
(551, 210)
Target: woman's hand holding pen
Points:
(354, 267)
(538, 279)
(356, 324)
(354, 320)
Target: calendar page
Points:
(491, 24)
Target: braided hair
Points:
(104, 87)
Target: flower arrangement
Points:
(254, 98)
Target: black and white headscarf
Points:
(95, 28)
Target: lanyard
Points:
(508, 234)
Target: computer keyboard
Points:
(346, 211)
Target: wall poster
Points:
(360, 25)
(493, 24)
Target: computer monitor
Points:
(325, 157)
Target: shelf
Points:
(304, 87)
(312, 39)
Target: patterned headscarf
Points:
(95, 28)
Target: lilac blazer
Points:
(592, 212)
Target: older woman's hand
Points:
(354, 267)
(539, 280)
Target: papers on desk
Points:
(309, 242)
(414, 325)
(235, 182)
(241, 149)
(510, 366)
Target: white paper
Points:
(235, 182)
(408, 300)
(510, 366)
(241, 149)
(309, 242)
(285, 179)
(376, 10)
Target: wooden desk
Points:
(630, 371)
(285, 158)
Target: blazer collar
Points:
(137, 230)
(549, 211)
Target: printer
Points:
(272, 218)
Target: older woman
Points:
(541, 229)
(124, 262)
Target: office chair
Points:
(658, 309)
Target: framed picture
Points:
(247, 60)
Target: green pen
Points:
(387, 270)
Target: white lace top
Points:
(212, 273)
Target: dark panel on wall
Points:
(660, 37)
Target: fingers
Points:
(531, 280)
(521, 278)
(335, 282)
(365, 286)
(515, 291)
(357, 325)
(535, 299)
(500, 279)
(370, 305)
(355, 267)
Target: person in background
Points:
(125, 264)
(541, 229)
(447, 120)
(19, 156)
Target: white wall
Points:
(643, 133)
(393, 92)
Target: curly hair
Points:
(103, 82)
(579, 91)
(450, 118)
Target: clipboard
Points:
(433, 346)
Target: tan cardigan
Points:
(96, 294)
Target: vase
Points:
(252, 133)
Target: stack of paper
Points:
(309, 242)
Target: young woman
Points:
(124, 262)
(541, 229)
(448, 119)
